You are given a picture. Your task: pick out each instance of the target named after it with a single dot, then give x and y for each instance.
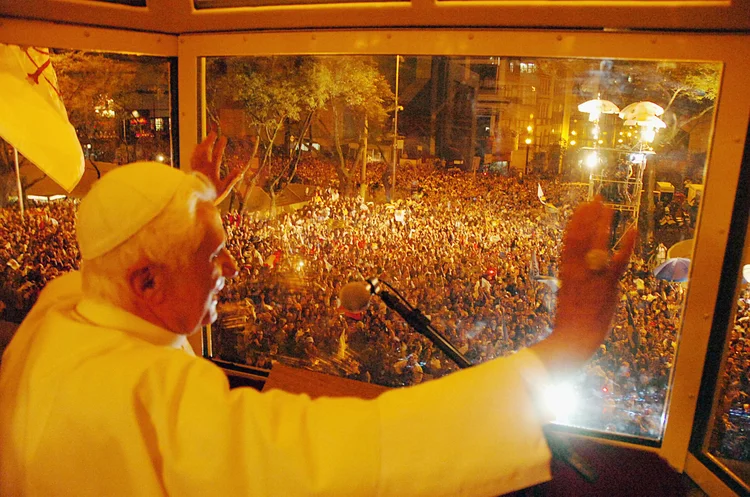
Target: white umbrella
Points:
(594, 108)
(647, 122)
(640, 110)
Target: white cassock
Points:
(96, 401)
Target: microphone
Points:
(355, 297)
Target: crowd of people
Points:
(34, 249)
(731, 435)
(458, 246)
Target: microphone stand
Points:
(417, 320)
(559, 447)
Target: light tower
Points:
(621, 184)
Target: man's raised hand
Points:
(207, 158)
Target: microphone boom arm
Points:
(422, 325)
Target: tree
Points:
(686, 90)
(274, 93)
(284, 94)
(354, 84)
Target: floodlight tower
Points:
(621, 187)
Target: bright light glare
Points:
(648, 135)
(160, 157)
(592, 160)
(573, 142)
(638, 158)
(560, 400)
(528, 141)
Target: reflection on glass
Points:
(729, 435)
(454, 183)
(119, 104)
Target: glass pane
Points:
(489, 157)
(728, 435)
(119, 106)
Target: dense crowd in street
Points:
(34, 250)
(731, 434)
(458, 246)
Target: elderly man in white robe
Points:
(100, 395)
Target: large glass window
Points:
(452, 178)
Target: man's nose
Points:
(228, 265)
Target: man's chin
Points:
(210, 317)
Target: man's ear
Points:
(147, 281)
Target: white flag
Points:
(400, 216)
(534, 266)
(33, 117)
(540, 193)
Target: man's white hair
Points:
(166, 240)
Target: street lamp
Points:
(526, 167)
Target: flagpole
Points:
(18, 182)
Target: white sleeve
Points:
(475, 433)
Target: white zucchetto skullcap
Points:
(122, 202)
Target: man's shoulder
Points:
(64, 291)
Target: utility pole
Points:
(395, 133)
(363, 167)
